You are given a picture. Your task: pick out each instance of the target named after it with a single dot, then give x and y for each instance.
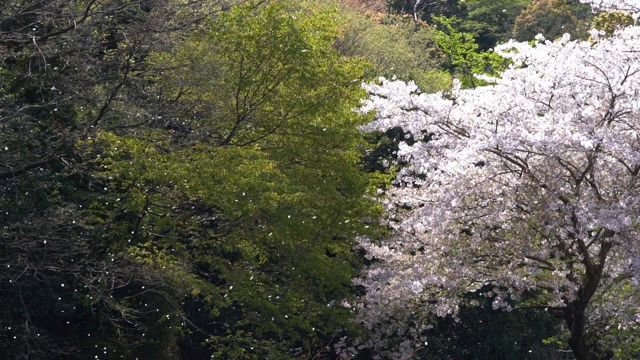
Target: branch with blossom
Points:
(530, 186)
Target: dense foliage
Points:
(395, 47)
(552, 19)
(177, 183)
(189, 179)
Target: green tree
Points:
(552, 19)
(395, 49)
(464, 57)
(252, 191)
(519, 334)
(609, 22)
(68, 71)
(428, 10)
(490, 21)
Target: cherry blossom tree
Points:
(529, 187)
(632, 6)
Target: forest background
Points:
(186, 179)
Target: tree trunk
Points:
(576, 319)
(575, 312)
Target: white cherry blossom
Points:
(630, 6)
(530, 186)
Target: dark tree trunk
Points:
(575, 314)
(575, 319)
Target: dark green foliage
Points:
(144, 217)
(64, 294)
(490, 21)
(384, 151)
(428, 10)
(483, 333)
(552, 19)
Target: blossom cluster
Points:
(530, 183)
(630, 6)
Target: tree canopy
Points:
(178, 180)
(202, 179)
(527, 186)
